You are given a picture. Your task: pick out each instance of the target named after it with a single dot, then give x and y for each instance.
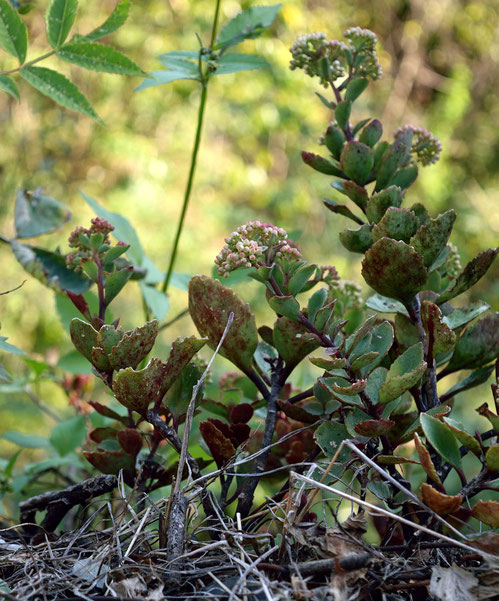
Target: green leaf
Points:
(293, 341)
(158, 78)
(462, 316)
(136, 390)
(134, 346)
(300, 278)
(477, 377)
(115, 20)
(358, 240)
(210, 304)
(398, 224)
(7, 85)
(466, 439)
(156, 300)
(74, 363)
(68, 435)
(9, 348)
(405, 372)
(380, 202)
(395, 157)
(353, 191)
(60, 17)
(477, 346)
(83, 336)
(26, 441)
(316, 302)
(248, 24)
(329, 436)
(49, 268)
(492, 458)
(394, 269)
(182, 60)
(123, 229)
(98, 57)
(382, 304)
(432, 237)
(116, 281)
(334, 207)
(13, 34)
(470, 275)
(233, 63)
(285, 305)
(357, 160)
(342, 113)
(355, 88)
(36, 214)
(441, 438)
(439, 333)
(58, 88)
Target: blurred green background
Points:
(440, 63)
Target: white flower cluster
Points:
(363, 42)
(254, 245)
(425, 145)
(318, 56)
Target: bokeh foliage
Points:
(440, 72)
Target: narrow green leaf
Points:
(232, 63)
(248, 24)
(68, 435)
(27, 441)
(60, 17)
(181, 61)
(8, 85)
(475, 378)
(383, 304)
(158, 78)
(460, 317)
(13, 34)
(342, 113)
(300, 278)
(355, 88)
(156, 300)
(116, 281)
(115, 20)
(98, 57)
(9, 348)
(441, 438)
(58, 87)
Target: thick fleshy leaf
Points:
(293, 341)
(357, 241)
(60, 17)
(374, 427)
(334, 139)
(235, 62)
(364, 360)
(356, 161)
(115, 20)
(432, 237)
(478, 345)
(405, 177)
(462, 316)
(382, 304)
(357, 194)
(8, 85)
(241, 414)
(379, 341)
(371, 133)
(83, 336)
(248, 24)
(355, 88)
(425, 459)
(329, 436)
(492, 458)
(285, 305)
(405, 372)
(108, 337)
(328, 364)
(399, 224)
(441, 438)
(111, 462)
(395, 157)
(360, 333)
(137, 390)
(36, 214)
(49, 268)
(487, 512)
(181, 353)
(342, 113)
(220, 446)
(470, 275)
(296, 412)
(466, 439)
(380, 202)
(210, 304)
(335, 383)
(99, 57)
(58, 88)
(134, 346)
(334, 207)
(439, 502)
(13, 33)
(116, 281)
(394, 269)
(440, 336)
(476, 378)
(320, 164)
(300, 278)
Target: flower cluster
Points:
(453, 265)
(255, 244)
(363, 43)
(98, 226)
(347, 293)
(425, 145)
(318, 56)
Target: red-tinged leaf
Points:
(438, 502)
(241, 414)
(100, 434)
(111, 462)
(432, 237)
(297, 413)
(223, 427)
(440, 337)
(136, 390)
(181, 353)
(426, 462)
(239, 433)
(394, 269)
(491, 416)
(220, 446)
(80, 303)
(487, 512)
(106, 412)
(399, 224)
(374, 427)
(394, 460)
(130, 441)
(328, 364)
(210, 304)
(134, 346)
(355, 388)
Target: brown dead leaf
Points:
(440, 503)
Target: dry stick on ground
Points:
(176, 523)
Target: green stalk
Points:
(195, 149)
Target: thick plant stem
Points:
(195, 150)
